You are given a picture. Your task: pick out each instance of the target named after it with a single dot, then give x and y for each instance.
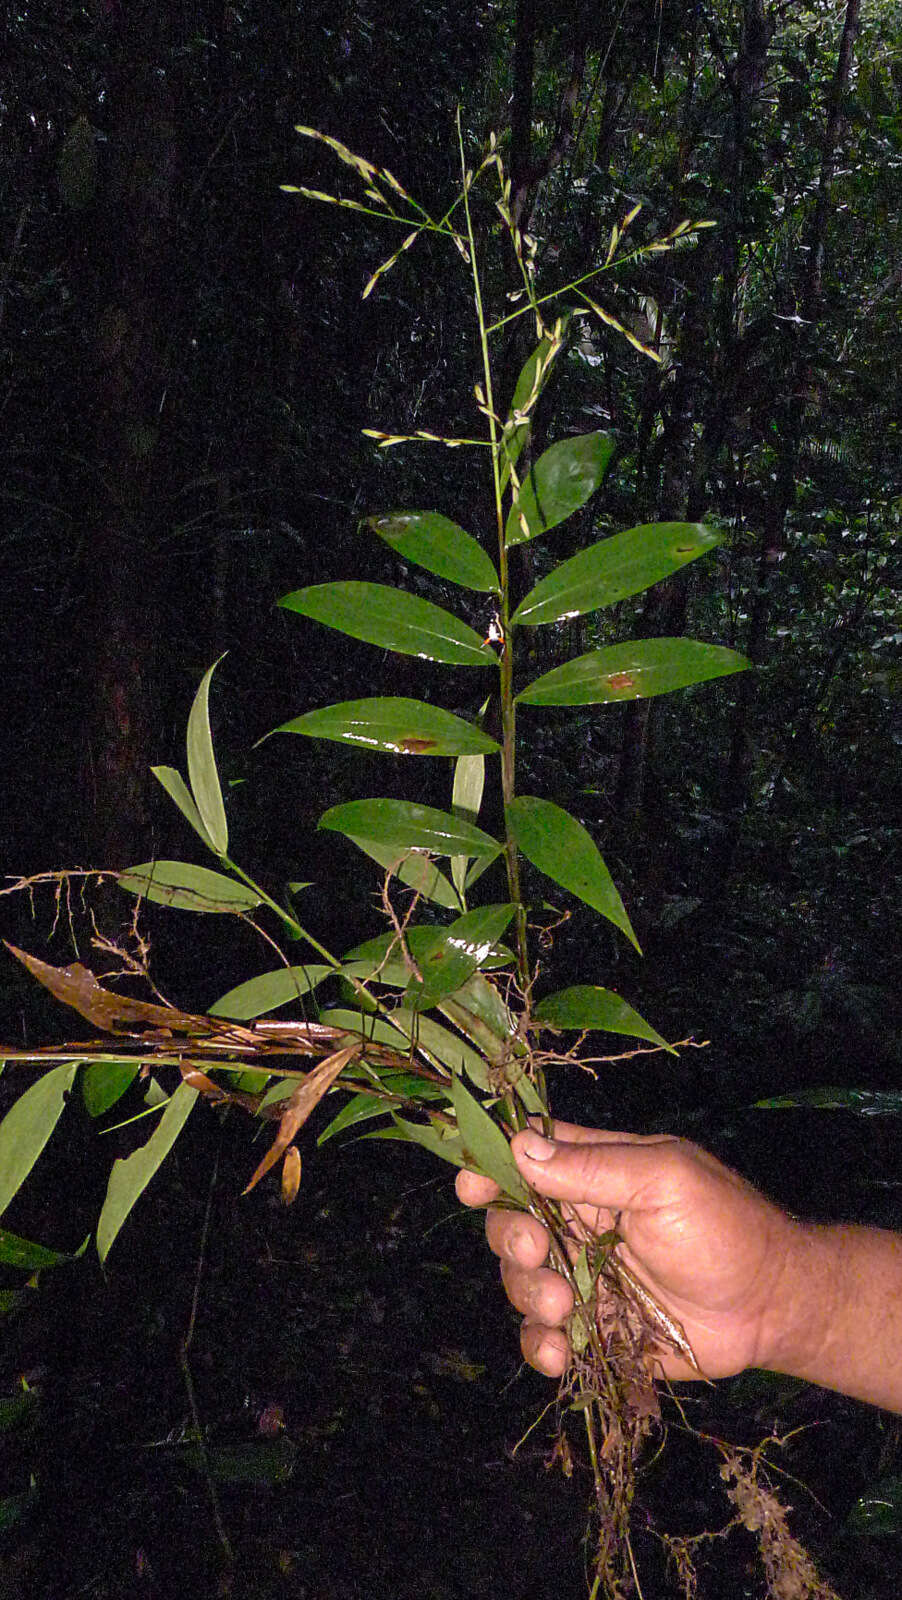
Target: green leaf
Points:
(190, 888)
(381, 615)
(458, 952)
(632, 671)
(426, 1134)
(561, 481)
(614, 568)
(864, 1102)
(130, 1177)
(448, 1049)
(202, 774)
(268, 991)
(105, 1082)
(16, 1409)
(438, 544)
(533, 376)
(479, 1011)
(405, 826)
(28, 1256)
(587, 1006)
(466, 798)
(400, 727)
(363, 1107)
(878, 1511)
(418, 872)
(563, 849)
(264, 1461)
(485, 1147)
(178, 790)
(27, 1126)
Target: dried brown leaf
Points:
(305, 1099)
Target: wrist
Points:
(804, 1303)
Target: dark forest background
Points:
(186, 366)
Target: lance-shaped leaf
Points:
(397, 726)
(268, 991)
(29, 1256)
(437, 543)
(429, 1135)
(561, 481)
(202, 774)
(440, 1044)
(130, 1177)
(458, 952)
(485, 1147)
(405, 826)
(105, 1082)
(177, 790)
(587, 1006)
(363, 1107)
(417, 871)
(563, 849)
(394, 620)
(76, 986)
(863, 1102)
(27, 1126)
(531, 381)
(632, 671)
(187, 887)
(303, 1100)
(615, 568)
(466, 798)
(478, 1010)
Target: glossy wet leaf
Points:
(28, 1124)
(564, 850)
(562, 480)
(417, 871)
(440, 545)
(878, 1511)
(202, 774)
(458, 952)
(105, 1082)
(397, 726)
(425, 1134)
(615, 568)
(486, 1148)
(381, 615)
(131, 1175)
(177, 790)
(588, 1006)
(863, 1102)
(405, 826)
(632, 671)
(185, 887)
(28, 1256)
(257, 996)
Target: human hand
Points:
(712, 1251)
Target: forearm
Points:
(840, 1318)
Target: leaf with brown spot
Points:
(305, 1099)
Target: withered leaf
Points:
(305, 1099)
(76, 986)
(291, 1175)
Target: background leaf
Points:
(130, 1177)
(615, 568)
(381, 615)
(202, 774)
(28, 1124)
(563, 849)
(28, 1256)
(635, 670)
(404, 826)
(187, 887)
(437, 543)
(587, 1006)
(562, 480)
(864, 1102)
(397, 726)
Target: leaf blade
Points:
(392, 619)
(406, 826)
(637, 669)
(564, 850)
(615, 568)
(28, 1124)
(131, 1174)
(182, 885)
(202, 774)
(439, 545)
(485, 1146)
(588, 1006)
(565, 476)
(394, 725)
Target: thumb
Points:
(598, 1174)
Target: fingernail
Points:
(537, 1148)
